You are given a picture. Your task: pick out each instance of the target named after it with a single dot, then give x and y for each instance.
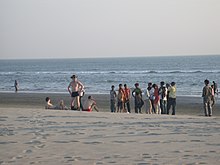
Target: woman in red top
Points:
(156, 99)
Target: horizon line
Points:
(108, 57)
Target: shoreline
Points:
(63, 93)
(185, 104)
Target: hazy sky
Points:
(108, 28)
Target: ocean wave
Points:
(153, 72)
(111, 72)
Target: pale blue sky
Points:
(108, 28)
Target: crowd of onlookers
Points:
(157, 99)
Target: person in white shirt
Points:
(146, 98)
(151, 98)
(163, 97)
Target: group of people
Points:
(76, 91)
(158, 100)
(122, 97)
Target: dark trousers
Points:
(127, 104)
(80, 101)
(113, 105)
(163, 106)
(171, 102)
(207, 108)
(138, 103)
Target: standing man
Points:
(138, 102)
(120, 98)
(207, 98)
(113, 97)
(74, 89)
(127, 93)
(172, 98)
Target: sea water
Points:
(98, 74)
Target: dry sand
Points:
(29, 134)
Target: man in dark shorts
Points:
(74, 89)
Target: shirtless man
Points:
(74, 89)
(89, 104)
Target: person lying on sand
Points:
(49, 105)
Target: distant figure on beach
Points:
(120, 99)
(60, 106)
(172, 98)
(16, 85)
(74, 89)
(207, 98)
(127, 93)
(113, 97)
(213, 96)
(89, 104)
(215, 87)
(163, 97)
(138, 102)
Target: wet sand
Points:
(185, 105)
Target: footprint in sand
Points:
(142, 163)
(112, 162)
(9, 142)
(17, 157)
(3, 117)
(146, 156)
(93, 143)
(61, 141)
(6, 131)
(27, 151)
(72, 159)
(119, 142)
(40, 146)
(36, 142)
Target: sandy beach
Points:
(29, 134)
